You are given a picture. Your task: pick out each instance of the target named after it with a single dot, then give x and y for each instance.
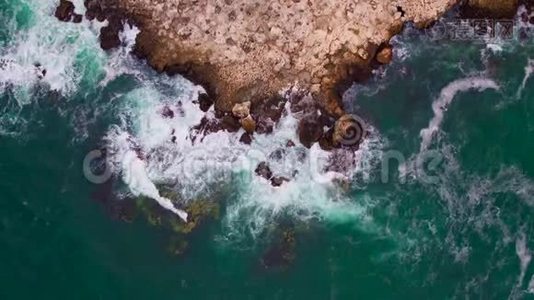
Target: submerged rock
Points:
(264, 171)
(282, 253)
(177, 246)
(199, 211)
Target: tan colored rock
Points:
(241, 110)
(248, 124)
(242, 50)
(385, 55)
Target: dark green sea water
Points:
(469, 233)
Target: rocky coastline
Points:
(259, 52)
(255, 59)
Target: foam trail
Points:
(524, 255)
(529, 68)
(136, 177)
(439, 106)
(530, 288)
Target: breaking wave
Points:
(194, 164)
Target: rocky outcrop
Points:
(310, 130)
(65, 12)
(385, 54)
(249, 50)
(248, 124)
(498, 9)
(109, 35)
(241, 110)
(264, 171)
(244, 52)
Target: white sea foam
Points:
(530, 288)
(120, 60)
(439, 106)
(529, 68)
(55, 46)
(79, 7)
(195, 167)
(524, 255)
(134, 174)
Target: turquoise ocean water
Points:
(464, 231)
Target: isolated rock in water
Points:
(309, 131)
(167, 112)
(64, 11)
(77, 18)
(347, 131)
(248, 124)
(40, 71)
(385, 55)
(241, 110)
(290, 144)
(264, 171)
(246, 138)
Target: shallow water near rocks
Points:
(463, 229)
